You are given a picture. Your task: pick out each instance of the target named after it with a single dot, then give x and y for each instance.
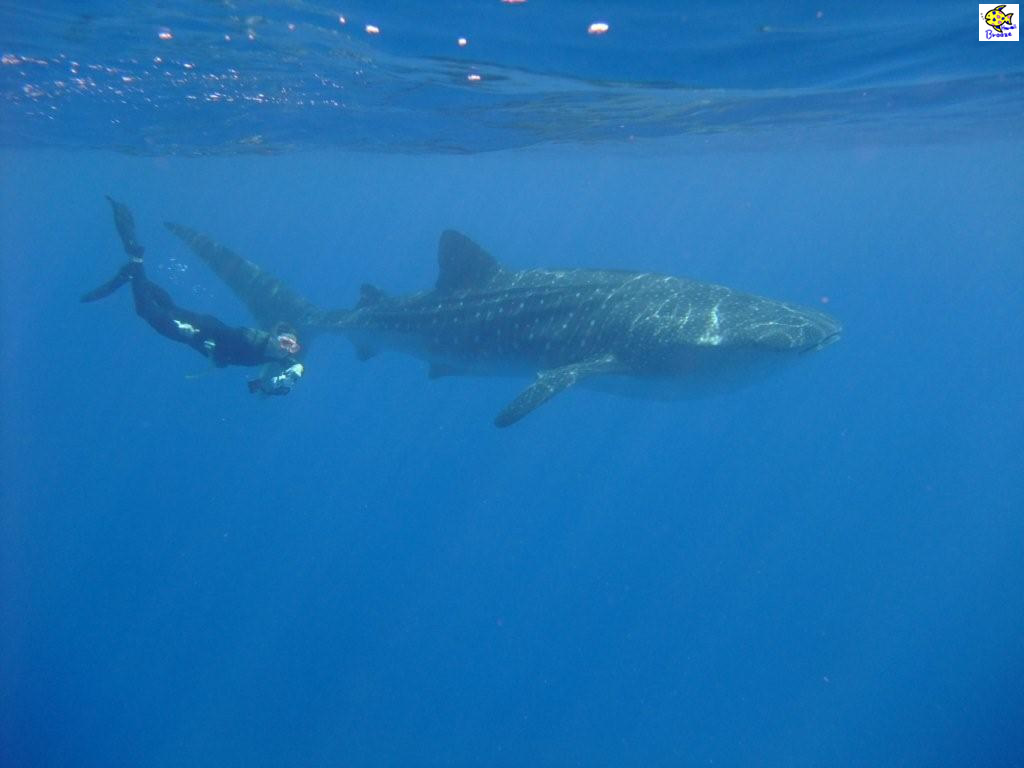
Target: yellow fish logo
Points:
(996, 18)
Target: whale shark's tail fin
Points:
(268, 298)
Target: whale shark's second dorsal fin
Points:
(462, 263)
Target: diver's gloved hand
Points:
(125, 223)
(281, 384)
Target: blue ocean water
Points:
(822, 569)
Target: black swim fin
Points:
(125, 223)
(124, 274)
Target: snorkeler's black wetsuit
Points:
(223, 344)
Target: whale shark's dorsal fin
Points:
(462, 263)
(369, 295)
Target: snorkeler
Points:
(224, 345)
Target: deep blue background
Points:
(824, 569)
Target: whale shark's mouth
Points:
(832, 338)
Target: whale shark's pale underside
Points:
(632, 333)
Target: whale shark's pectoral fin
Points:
(552, 381)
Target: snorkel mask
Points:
(287, 344)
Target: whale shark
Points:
(631, 333)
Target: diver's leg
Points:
(154, 305)
(125, 224)
(206, 334)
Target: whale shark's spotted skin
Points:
(553, 318)
(634, 333)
